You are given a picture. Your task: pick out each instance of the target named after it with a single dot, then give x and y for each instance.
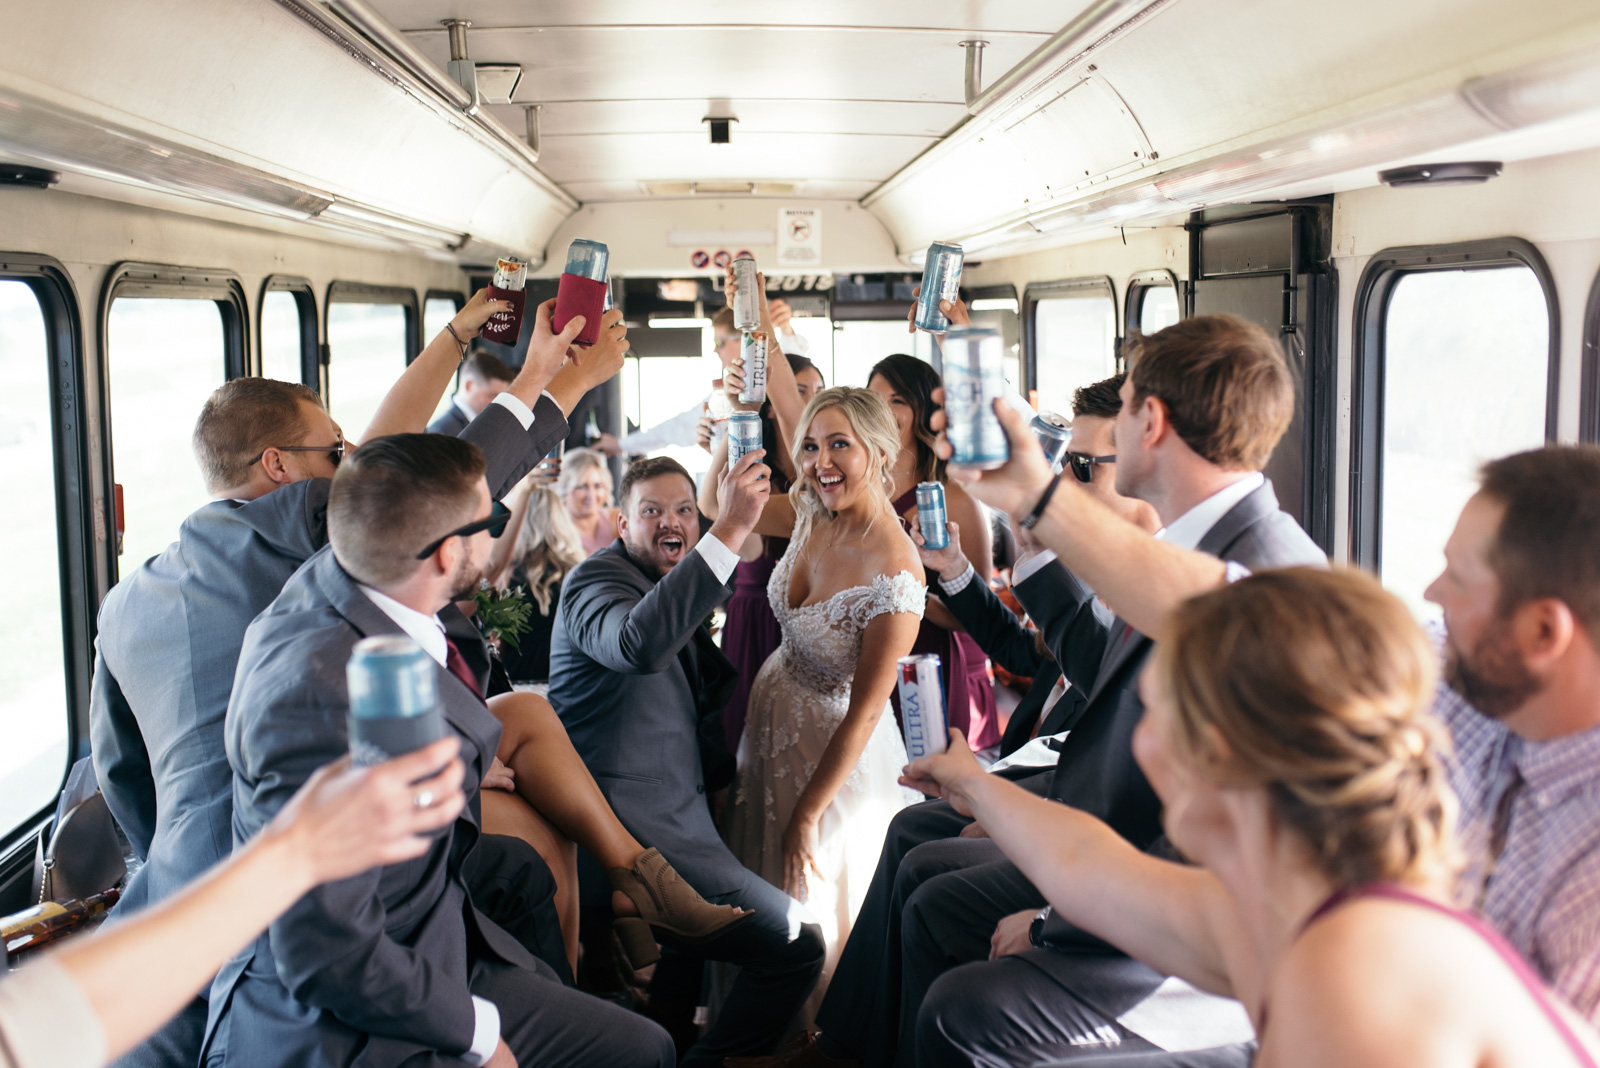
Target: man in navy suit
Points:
(483, 378)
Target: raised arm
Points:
(782, 391)
(777, 515)
(410, 402)
(1174, 918)
(1142, 579)
(996, 629)
(585, 368)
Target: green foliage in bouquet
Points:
(503, 615)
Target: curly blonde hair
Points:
(548, 545)
(874, 427)
(1318, 685)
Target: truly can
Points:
(922, 705)
(588, 259)
(509, 285)
(941, 280)
(753, 350)
(974, 379)
(744, 435)
(747, 301)
(1054, 433)
(394, 698)
(931, 515)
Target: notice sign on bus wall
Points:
(799, 237)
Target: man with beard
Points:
(396, 965)
(1520, 595)
(640, 686)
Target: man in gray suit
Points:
(1202, 409)
(170, 632)
(395, 965)
(640, 685)
(483, 377)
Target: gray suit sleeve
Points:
(633, 634)
(1074, 625)
(331, 947)
(510, 450)
(121, 762)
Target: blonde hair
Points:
(874, 427)
(548, 545)
(577, 463)
(1318, 685)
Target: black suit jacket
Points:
(453, 421)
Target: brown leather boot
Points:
(666, 902)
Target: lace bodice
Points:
(822, 641)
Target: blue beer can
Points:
(974, 379)
(744, 435)
(941, 280)
(747, 301)
(931, 515)
(1054, 434)
(753, 351)
(588, 259)
(922, 705)
(394, 698)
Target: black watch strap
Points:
(1044, 502)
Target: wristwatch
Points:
(1036, 928)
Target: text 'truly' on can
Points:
(1054, 434)
(744, 435)
(941, 280)
(747, 300)
(931, 515)
(753, 351)
(974, 378)
(394, 698)
(922, 705)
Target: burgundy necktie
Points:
(457, 666)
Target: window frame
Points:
(1033, 293)
(1378, 280)
(305, 298)
(1133, 298)
(341, 292)
(76, 525)
(1589, 375)
(454, 295)
(164, 281)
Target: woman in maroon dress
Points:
(908, 384)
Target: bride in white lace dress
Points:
(821, 753)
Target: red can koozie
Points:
(577, 295)
(504, 327)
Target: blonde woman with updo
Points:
(1287, 732)
(585, 487)
(821, 755)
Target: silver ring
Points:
(424, 799)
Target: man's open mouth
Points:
(670, 544)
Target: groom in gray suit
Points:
(640, 686)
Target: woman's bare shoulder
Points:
(893, 552)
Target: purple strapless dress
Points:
(751, 633)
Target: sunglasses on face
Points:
(495, 524)
(1082, 465)
(335, 451)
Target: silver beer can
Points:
(1054, 434)
(922, 705)
(941, 280)
(747, 301)
(744, 435)
(974, 379)
(931, 515)
(394, 699)
(753, 350)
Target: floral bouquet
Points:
(503, 615)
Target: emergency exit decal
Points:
(799, 237)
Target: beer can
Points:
(588, 259)
(941, 280)
(744, 435)
(1054, 434)
(922, 705)
(931, 515)
(753, 350)
(747, 301)
(394, 698)
(973, 380)
(510, 275)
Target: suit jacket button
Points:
(700, 789)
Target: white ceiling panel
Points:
(842, 117)
(647, 157)
(1037, 16)
(592, 192)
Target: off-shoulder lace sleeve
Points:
(891, 594)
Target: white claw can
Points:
(922, 705)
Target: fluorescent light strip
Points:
(993, 304)
(678, 324)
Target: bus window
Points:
(818, 332)
(656, 388)
(437, 311)
(280, 337)
(1158, 309)
(33, 692)
(166, 356)
(1489, 330)
(1074, 343)
(367, 351)
(858, 344)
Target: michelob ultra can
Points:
(744, 435)
(394, 698)
(754, 353)
(931, 515)
(922, 705)
(747, 301)
(941, 280)
(1054, 433)
(973, 380)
